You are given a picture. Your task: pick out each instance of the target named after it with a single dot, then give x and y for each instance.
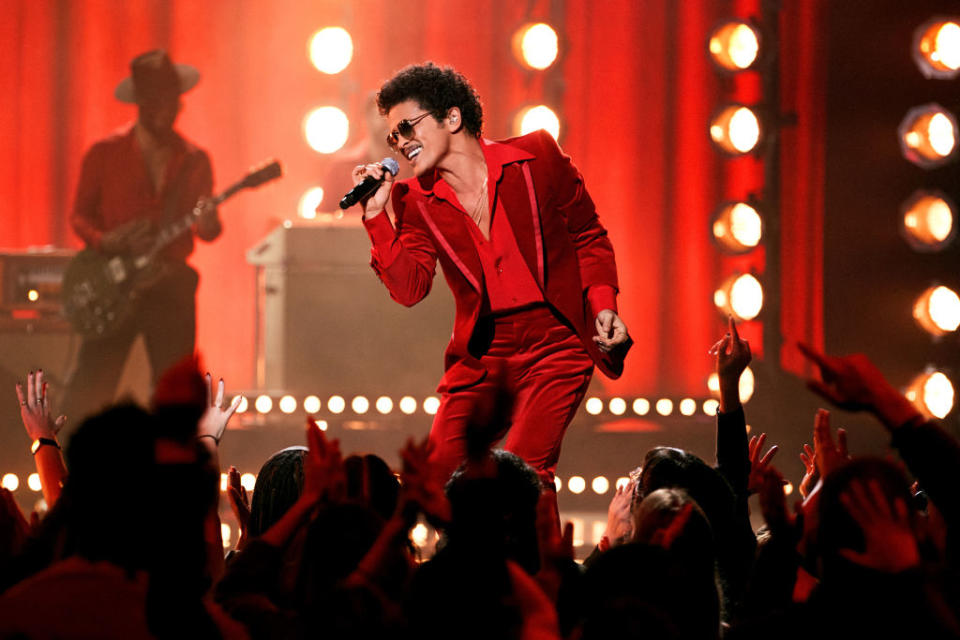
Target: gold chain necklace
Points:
(476, 206)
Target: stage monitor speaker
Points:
(327, 325)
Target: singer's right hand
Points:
(378, 201)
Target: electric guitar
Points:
(99, 290)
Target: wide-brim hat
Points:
(154, 72)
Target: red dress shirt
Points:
(115, 188)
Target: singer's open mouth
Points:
(412, 151)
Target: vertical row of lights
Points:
(928, 138)
(536, 47)
(326, 127)
(737, 225)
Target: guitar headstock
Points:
(270, 170)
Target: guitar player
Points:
(130, 184)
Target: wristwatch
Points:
(39, 442)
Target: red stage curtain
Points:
(637, 91)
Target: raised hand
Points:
(827, 454)
(215, 418)
(810, 473)
(890, 542)
(611, 331)
(773, 504)
(422, 485)
(35, 409)
(239, 504)
(758, 465)
(376, 202)
(324, 477)
(620, 514)
(732, 357)
(555, 545)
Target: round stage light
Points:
(224, 482)
(734, 46)
(263, 404)
(384, 405)
(710, 406)
(288, 404)
(326, 129)
(536, 45)
(641, 406)
(713, 383)
(33, 481)
(311, 404)
(558, 483)
(735, 129)
(928, 136)
(360, 405)
(418, 535)
(741, 295)
(321, 424)
(664, 406)
(336, 404)
(33, 295)
(538, 117)
(576, 484)
(600, 485)
(737, 227)
(594, 406)
(937, 310)
(10, 481)
(622, 482)
(618, 406)
(309, 201)
(688, 407)
(431, 405)
(408, 405)
(331, 49)
(936, 48)
(248, 481)
(244, 405)
(788, 488)
(225, 534)
(932, 393)
(748, 384)
(928, 220)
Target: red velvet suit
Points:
(557, 232)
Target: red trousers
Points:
(540, 365)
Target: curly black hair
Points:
(436, 89)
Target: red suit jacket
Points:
(556, 227)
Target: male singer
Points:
(530, 266)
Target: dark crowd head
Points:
(279, 484)
(658, 510)
(370, 482)
(497, 507)
(437, 90)
(179, 400)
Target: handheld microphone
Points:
(369, 184)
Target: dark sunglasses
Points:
(405, 129)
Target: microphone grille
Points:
(391, 165)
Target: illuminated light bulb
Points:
(734, 46)
(225, 534)
(224, 482)
(331, 49)
(937, 310)
(618, 406)
(737, 227)
(710, 406)
(928, 220)
(33, 295)
(558, 483)
(788, 488)
(688, 406)
(33, 481)
(408, 405)
(384, 405)
(736, 129)
(932, 393)
(740, 295)
(248, 481)
(622, 482)
(594, 406)
(360, 405)
(321, 424)
(536, 45)
(576, 484)
(664, 406)
(309, 201)
(418, 535)
(431, 405)
(539, 117)
(311, 404)
(928, 136)
(747, 385)
(288, 404)
(336, 404)
(600, 485)
(641, 406)
(326, 129)
(936, 48)
(263, 404)
(713, 384)
(243, 406)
